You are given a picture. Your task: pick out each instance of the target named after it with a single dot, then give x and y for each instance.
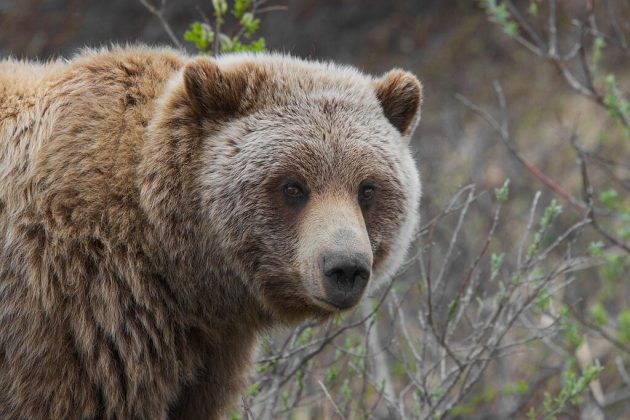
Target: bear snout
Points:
(345, 275)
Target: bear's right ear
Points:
(217, 93)
(400, 95)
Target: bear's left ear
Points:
(219, 93)
(400, 94)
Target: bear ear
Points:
(214, 92)
(400, 94)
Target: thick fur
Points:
(144, 240)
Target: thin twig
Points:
(553, 29)
(159, 13)
(587, 191)
(533, 169)
(331, 400)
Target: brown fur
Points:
(144, 241)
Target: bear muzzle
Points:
(334, 253)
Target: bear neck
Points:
(198, 265)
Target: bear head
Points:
(299, 174)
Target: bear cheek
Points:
(385, 224)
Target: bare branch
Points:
(533, 169)
(159, 14)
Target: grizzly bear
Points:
(159, 212)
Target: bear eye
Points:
(293, 191)
(366, 193)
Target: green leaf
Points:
(452, 308)
(551, 212)
(497, 263)
(220, 7)
(346, 391)
(511, 28)
(250, 24)
(543, 300)
(331, 374)
(609, 199)
(571, 331)
(199, 34)
(240, 6)
(623, 327)
(502, 193)
(598, 45)
(516, 388)
(599, 314)
(305, 336)
(254, 389)
(596, 249)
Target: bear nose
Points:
(345, 277)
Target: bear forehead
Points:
(325, 122)
(317, 152)
(319, 137)
(288, 78)
(332, 119)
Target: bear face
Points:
(304, 176)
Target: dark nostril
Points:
(362, 272)
(348, 272)
(336, 273)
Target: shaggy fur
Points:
(144, 239)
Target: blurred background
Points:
(516, 298)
